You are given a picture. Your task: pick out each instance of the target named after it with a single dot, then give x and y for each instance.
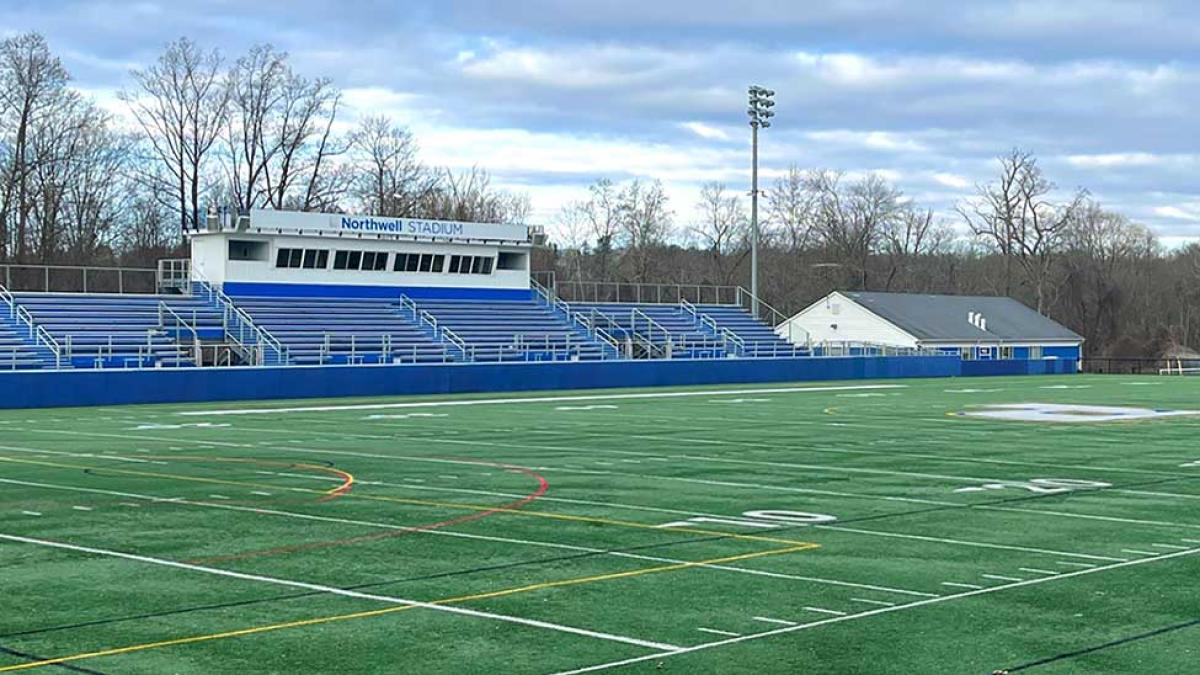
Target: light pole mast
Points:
(761, 102)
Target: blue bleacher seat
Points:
(343, 330)
(121, 330)
(513, 330)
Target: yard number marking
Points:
(1043, 486)
(762, 519)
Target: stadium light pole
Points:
(761, 102)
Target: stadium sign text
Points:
(341, 224)
(428, 228)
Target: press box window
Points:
(249, 250)
(289, 257)
(438, 262)
(510, 261)
(426, 262)
(401, 261)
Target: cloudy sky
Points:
(551, 94)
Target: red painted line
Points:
(542, 487)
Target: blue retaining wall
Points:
(38, 389)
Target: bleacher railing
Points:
(177, 323)
(39, 335)
(610, 347)
(256, 342)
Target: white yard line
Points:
(1134, 551)
(955, 584)
(822, 610)
(540, 399)
(1000, 577)
(1068, 563)
(781, 622)
(1034, 570)
(478, 537)
(978, 544)
(277, 581)
(718, 632)
(882, 610)
(868, 601)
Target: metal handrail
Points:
(40, 335)
(773, 313)
(689, 308)
(197, 352)
(261, 335)
(667, 347)
(450, 336)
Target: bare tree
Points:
(32, 93)
(1016, 218)
(181, 103)
(469, 196)
(279, 147)
(851, 219)
(908, 239)
(722, 228)
(790, 206)
(389, 179)
(645, 225)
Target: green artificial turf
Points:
(524, 534)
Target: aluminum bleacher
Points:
(17, 350)
(121, 331)
(512, 330)
(690, 331)
(344, 330)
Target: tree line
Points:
(79, 184)
(1092, 269)
(83, 185)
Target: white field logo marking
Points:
(1190, 465)
(760, 519)
(586, 407)
(1044, 486)
(160, 427)
(403, 416)
(1061, 412)
(971, 391)
(740, 400)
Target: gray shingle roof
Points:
(944, 317)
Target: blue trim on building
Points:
(39, 389)
(236, 289)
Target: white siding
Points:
(210, 256)
(837, 318)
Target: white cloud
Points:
(1115, 159)
(706, 131)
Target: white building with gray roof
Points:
(975, 327)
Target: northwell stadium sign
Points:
(415, 227)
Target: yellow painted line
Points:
(436, 504)
(394, 610)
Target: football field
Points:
(1040, 524)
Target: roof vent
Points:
(976, 319)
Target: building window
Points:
(1006, 352)
(967, 353)
(291, 257)
(400, 262)
(487, 266)
(454, 261)
(426, 262)
(1035, 352)
(374, 261)
(438, 262)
